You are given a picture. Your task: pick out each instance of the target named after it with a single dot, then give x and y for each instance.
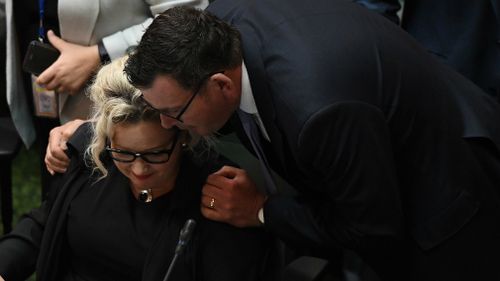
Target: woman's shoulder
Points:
(81, 138)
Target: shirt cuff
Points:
(260, 215)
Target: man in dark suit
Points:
(462, 33)
(393, 155)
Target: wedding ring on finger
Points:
(212, 203)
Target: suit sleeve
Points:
(116, 44)
(352, 199)
(387, 8)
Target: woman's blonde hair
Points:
(115, 101)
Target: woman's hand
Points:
(72, 69)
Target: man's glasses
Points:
(177, 117)
(152, 157)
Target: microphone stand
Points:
(184, 237)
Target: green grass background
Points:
(26, 186)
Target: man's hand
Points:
(56, 159)
(230, 196)
(72, 69)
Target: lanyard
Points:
(41, 29)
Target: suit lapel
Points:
(77, 20)
(263, 98)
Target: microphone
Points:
(184, 237)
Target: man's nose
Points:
(167, 122)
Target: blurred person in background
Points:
(463, 34)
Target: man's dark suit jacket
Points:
(464, 34)
(393, 154)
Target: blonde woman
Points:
(88, 33)
(117, 212)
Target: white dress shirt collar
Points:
(247, 102)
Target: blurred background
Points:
(25, 171)
(25, 182)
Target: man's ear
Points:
(229, 84)
(222, 81)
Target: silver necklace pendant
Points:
(145, 195)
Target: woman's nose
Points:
(140, 167)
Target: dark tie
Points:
(253, 134)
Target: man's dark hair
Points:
(187, 44)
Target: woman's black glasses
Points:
(153, 157)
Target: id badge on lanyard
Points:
(45, 101)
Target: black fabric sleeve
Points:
(227, 253)
(103, 53)
(352, 200)
(19, 251)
